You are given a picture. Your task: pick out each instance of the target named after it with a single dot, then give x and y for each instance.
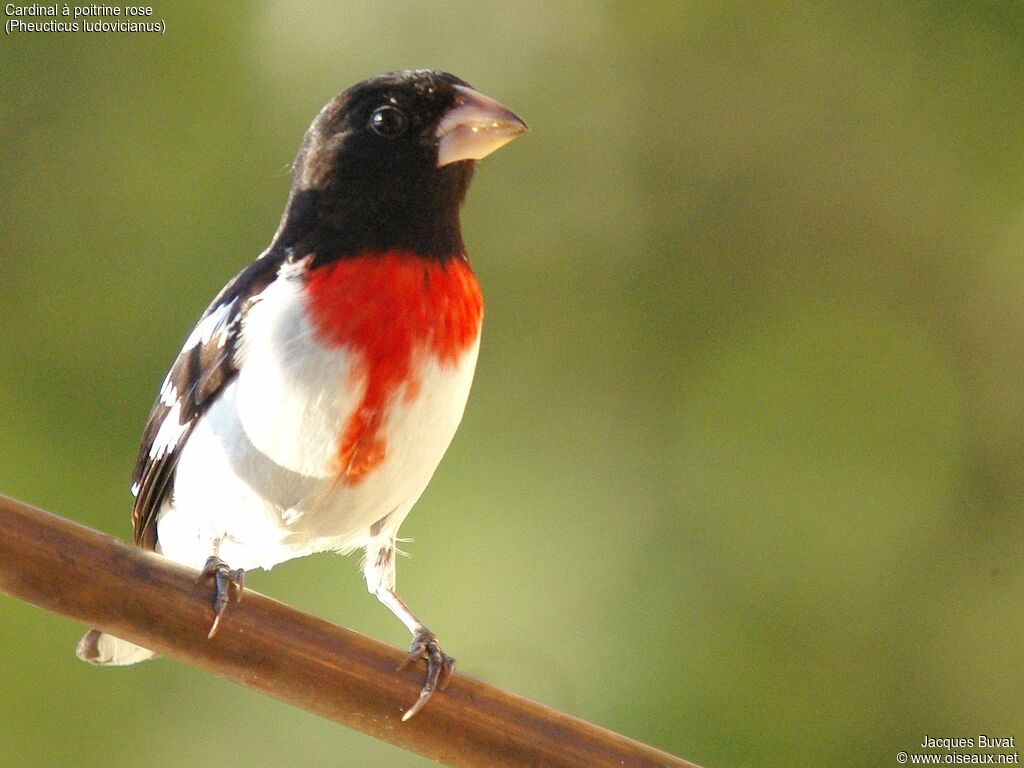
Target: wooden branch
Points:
(331, 671)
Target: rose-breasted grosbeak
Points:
(312, 403)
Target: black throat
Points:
(346, 219)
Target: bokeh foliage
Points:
(743, 470)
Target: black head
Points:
(386, 165)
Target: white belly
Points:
(258, 481)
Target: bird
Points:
(312, 402)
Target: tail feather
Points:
(109, 651)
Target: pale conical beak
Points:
(473, 128)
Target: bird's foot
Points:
(227, 583)
(439, 667)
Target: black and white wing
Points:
(205, 365)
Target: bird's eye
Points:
(388, 121)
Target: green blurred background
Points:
(743, 469)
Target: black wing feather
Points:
(203, 368)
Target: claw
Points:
(423, 699)
(226, 583)
(439, 667)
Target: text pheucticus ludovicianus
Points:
(316, 396)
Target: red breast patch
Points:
(386, 309)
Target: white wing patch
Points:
(168, 392)
(169, 433)
(210, 324)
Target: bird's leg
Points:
(380, 578)
(424, 646)
(226, 583)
